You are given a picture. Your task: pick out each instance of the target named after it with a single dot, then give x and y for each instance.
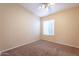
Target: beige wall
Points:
(17, 26)
(66, 27)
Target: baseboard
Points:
(15, 47)
(62, 44)
(0, 53)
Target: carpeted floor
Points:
(43, 48)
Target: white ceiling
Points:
(34, 8)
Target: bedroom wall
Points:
(66, 27)
(17, 26)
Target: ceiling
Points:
(34, 8)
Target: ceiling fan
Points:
(46, 6)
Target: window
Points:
(48, 27)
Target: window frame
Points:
(53, 28)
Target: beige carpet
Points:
(43, 48)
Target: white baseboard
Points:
(62, 43)
(0, 53)
(15, 47)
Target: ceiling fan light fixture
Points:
(46, 6)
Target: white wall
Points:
(66, 27)
(17, 26)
